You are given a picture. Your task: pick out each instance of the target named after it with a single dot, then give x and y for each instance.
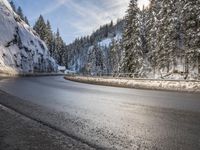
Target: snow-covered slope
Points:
(21, 50)
(92, 55)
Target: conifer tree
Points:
(151, 28)
(41, 28)
(49, 41)
(20, 13)
(132, 41)
(191, 13)
(13, 6)
(143, 30)
(114, 57)
(98, 59)
(59, 47)
(26, 20)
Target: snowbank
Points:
(21, 50)
(172, 85)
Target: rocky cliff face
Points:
(21, 49)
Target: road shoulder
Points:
(168, 85)
(20, 132)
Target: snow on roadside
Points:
(172, 85)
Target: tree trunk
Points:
(186, 66)
(199, 66)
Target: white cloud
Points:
(53, 6)
(93, 15)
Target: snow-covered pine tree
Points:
(133, 55)
(91, 61)
(114, 57)
(98, 60)
(59, 47)
(178, 34)
(191, 13)
(20, 12)
(41, 28)
(26, 20)
(170, 30)
(152, 32)
(161, 52)
(65, 55)
(95, 64)
(13, 6)
(143, 29)
(49, 33)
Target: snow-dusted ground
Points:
(21, 50)
(108, 41)
(105, 43)
(174, 85)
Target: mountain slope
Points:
(21, 49)
(93, 54)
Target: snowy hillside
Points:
(155, 44)
(92, 54)
(21, 50)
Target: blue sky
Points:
(75, 18)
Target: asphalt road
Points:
(109, 117)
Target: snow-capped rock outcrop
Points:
(21, 50)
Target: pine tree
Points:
(59, 47)
(143, 30)
(152, 32)
(98, 59)
(13, 6)
(26, 20)
(65, 56)
(191, 13)
(111, 56)
(114, 57)
(49, 41)
(41, 28)
(20, 13)
(133, 56)
(161, 54)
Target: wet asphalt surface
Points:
(18, 132)
(108, 117)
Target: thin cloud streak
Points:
(94, 15)
(51, 8)
(75, 17)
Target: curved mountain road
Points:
(108, 117)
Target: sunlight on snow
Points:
(142, 3)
